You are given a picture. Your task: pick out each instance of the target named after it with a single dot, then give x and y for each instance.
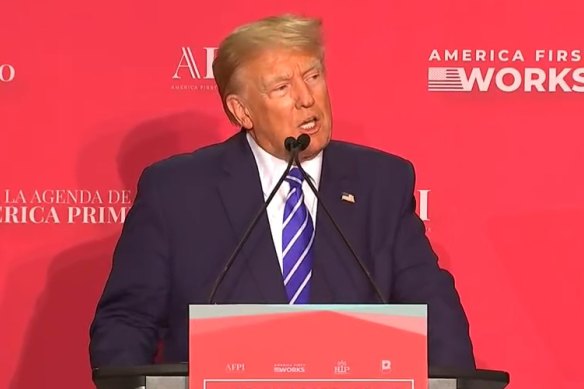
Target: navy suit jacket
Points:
(190, 211)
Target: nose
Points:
(304, 96)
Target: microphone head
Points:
(289, 143)
(303, 141)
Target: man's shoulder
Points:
(366, 157)
(198, 166)
(204, 157)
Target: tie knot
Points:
(295, 177)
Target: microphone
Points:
(289, 143)
(293, 147)
(303, 141)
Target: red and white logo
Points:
(342, 368)
(558, 71)
(289, 368)
(423, 204)
(194, 70)
(235, 367)
(195, 67)
(385, 365)
(7, 73)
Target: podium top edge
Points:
(206, 311)
(182, 369)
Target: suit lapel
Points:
(335, 274)
(241, 193)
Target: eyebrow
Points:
(268, 82)
(315, 65)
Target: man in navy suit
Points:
(191, 210)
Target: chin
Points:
(311, 152)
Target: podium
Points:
(175, 376)
(264, 347)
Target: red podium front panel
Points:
(308, 347)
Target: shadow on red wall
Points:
(55, 350)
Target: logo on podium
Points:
(342, 367)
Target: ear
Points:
(239, 110)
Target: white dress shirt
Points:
(270, 169)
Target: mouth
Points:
(310, 125)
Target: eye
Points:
(313, 76)
(280, 88)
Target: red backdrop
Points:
(91, 93)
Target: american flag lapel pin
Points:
(348, 197)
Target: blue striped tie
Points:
(297, 238)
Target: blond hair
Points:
(246, 42)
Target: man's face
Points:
(284, 93)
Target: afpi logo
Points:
(195, 67)
(194, 70)
(7, 73)
(235, 367)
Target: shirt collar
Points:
(271, 168)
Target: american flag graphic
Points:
(446, 80)
(348, 197)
